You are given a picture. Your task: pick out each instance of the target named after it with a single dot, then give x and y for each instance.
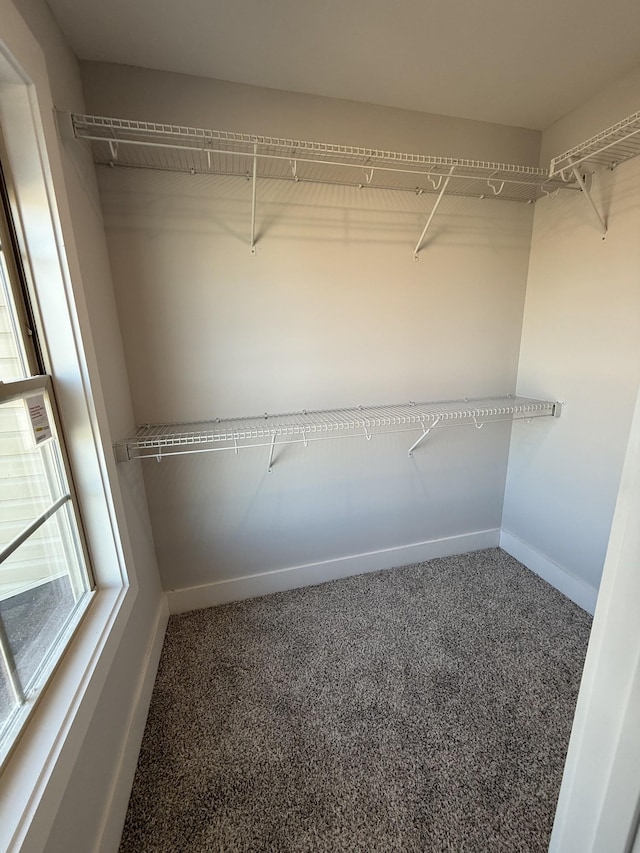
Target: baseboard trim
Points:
(252, 586)
(115, 810)
(580, 592)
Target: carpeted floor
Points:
(423, 709)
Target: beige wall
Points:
(581, 342)
(122, 91)
(333, 311)
(604, 109)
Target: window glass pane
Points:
(33, 618)
(13, 359)
(44, 582)
(8, 701)
(30, 475)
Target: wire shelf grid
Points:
(612, 146)
(138, 144)
(157, 440)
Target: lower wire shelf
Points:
(158, 441)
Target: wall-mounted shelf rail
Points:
(139, 144)
(149, 145)
(122, 142)
(157, 441)
(609, 148)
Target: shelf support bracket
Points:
(273, 444)
(432, 214)
(253, 200)
(423, 436)
(587, 194)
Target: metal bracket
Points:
(585, 190)
(368, 176)
(423, 436)
(253, 200)
(64, 124)
(432, 214)
(273, 444)
(495, 188)
(121, 452)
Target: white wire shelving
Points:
(148, 145)
(609, 148)
(612, 146)
(122, 142)
(158, 441)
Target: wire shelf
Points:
(148, 145)
(160, 440)
(618, 143)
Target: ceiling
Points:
(524, 63)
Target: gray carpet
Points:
(427, 708)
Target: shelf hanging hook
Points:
(436, 186)
(294, 169)
(368, 176)
(495, 188)
(113, 147)
(549, 193)
(475, 422)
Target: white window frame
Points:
(33, 781)
(26, 694)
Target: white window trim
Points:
(33, 782)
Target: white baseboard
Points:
(580, 592)
(116, 806)
(251, 586)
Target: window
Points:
(45, 582)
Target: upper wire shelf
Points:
(160, 440)
(124, 142)
(618, 143)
